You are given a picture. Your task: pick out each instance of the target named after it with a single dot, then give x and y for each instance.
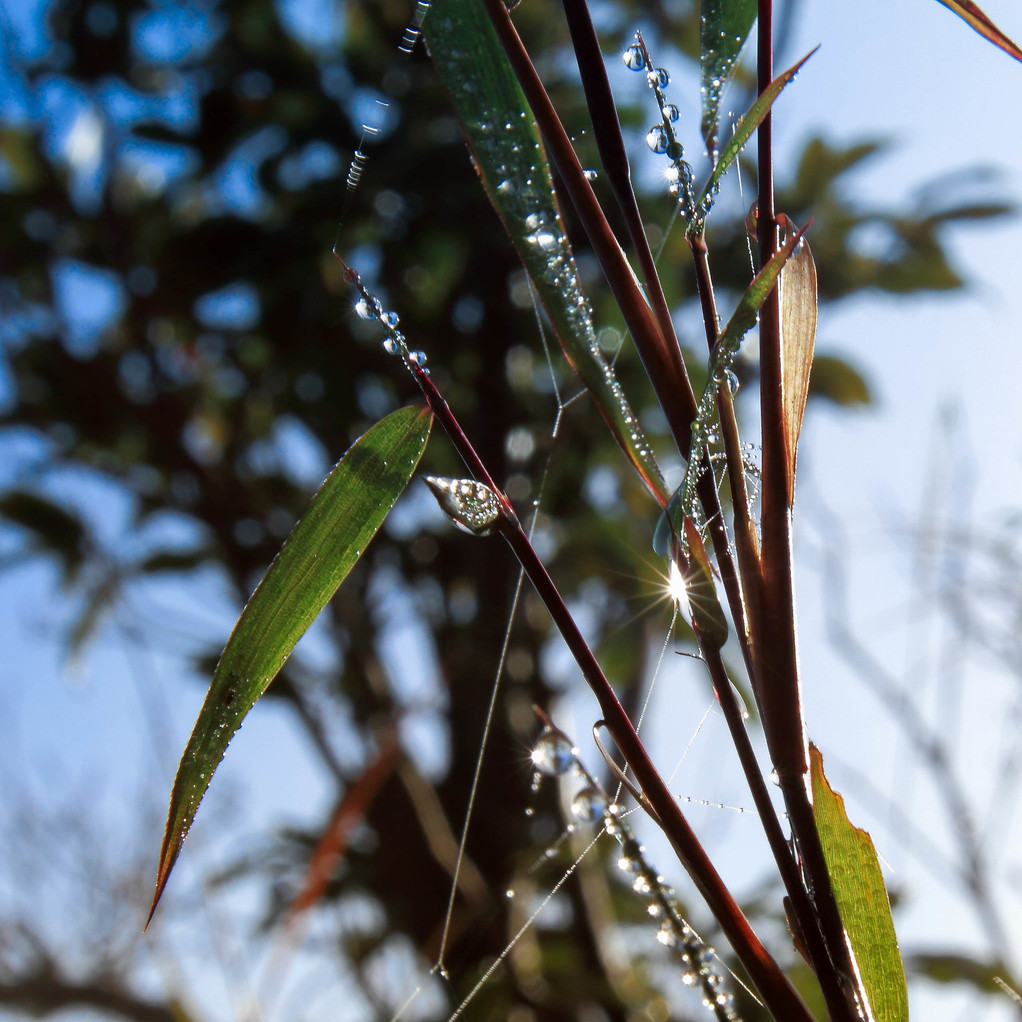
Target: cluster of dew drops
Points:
(661, 138)
(553, 755)
(369, 307)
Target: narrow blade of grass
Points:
(862, 899)
(510, 161)
(743, 319)
(724, 25)
(323, 547)
(974, 17)
(751, 120)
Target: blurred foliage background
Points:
(175, 328)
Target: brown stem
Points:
(773, 986)
(775, 646)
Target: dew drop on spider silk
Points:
(589, 805)
(553, 753)
(656, 139)
(634, 58)
(658, 78)
(671, 112)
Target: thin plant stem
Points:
(777, 678)
(774, 987)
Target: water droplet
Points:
(472, 506)
(545, 241)
(589, 805)
(641, 884)
(509, 893)
(363, 309)
(671, 112)
(589, 174)
(656, 139)
(775, 777)
(733, 383)
(532, 221)
(688, 978)
(418, 357)
(633, 57)
(552, 754)
(389, 346)
(390, 320)
(506, 187)
(658, 78)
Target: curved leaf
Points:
(976, 19)
(797, 291)
(323, 547)
(743, 319)
(862, 899)
(751, 120)
(510, 161)
(724, 26)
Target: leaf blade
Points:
(797, 294)
(751, 120)
(325, 544)
(974, 17)
(724, 25)
(862, 899)
(509, 158)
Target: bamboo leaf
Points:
(682, 502)
(971, 14)
(862, 899)
(512, 166)
(797, 295)
(323, 547)
(724, 26)
(751, 120)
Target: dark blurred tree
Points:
(172, 180)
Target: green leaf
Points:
(509, 158)
(976, 19)
(742, 320)
(956, 968)
(724, 26)
(57, 530)
(838, 381)
(751, 120)
(323, 547)
(862, 899)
